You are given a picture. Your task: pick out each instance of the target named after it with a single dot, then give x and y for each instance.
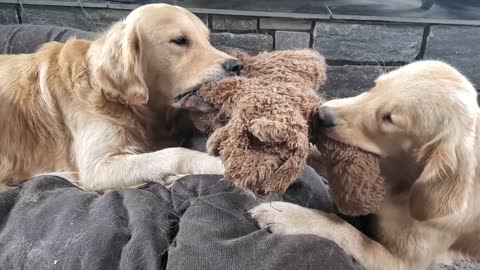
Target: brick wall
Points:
(356, 51)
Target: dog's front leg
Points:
(127, 170)
(107, 160)
(287, 218)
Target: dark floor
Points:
(441, 9)
(432, 9)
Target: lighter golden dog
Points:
(422, 121)
(101, 110)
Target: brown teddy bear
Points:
(263, 123)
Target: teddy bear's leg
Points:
(254, 171)
(287, 173)
(293, 166)
(246, 166)
(213, 143)
(269, 131)
(318, 162)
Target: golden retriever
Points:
(421, 120)
(102, 109)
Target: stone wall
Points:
(356, 51)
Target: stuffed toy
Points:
(262, 124)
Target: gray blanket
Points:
(202, 223)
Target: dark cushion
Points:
(21, 38)
(202, 223)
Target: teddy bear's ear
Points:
(269, 131)
(240, 55)
(317, 71)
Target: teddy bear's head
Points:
(305, 68)
(212, 104)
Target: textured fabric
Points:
(15, 39)
(202, 223)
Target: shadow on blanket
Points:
(201, 224)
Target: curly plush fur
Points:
(261, 130)
(265, 142)
(356, 184)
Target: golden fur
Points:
(422, 122)
(99, 109)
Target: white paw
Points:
(214, 166)
(283, 217)
(290, 219)
(202, 163)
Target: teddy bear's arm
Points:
(354, 176)
(293, 166)
(218, 136)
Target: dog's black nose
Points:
(325, 116)
(233, 65)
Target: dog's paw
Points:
(206, 164)
(215, 166)
(170, 180)
(283, 218)
(290, 219)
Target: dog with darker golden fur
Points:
(422, 121)
(100, 111)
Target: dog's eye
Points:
(180, 41)
(387, 118)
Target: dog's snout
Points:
(325, 116)
(233, 65)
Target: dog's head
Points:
(159, 52)
(425, 111)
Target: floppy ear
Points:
(270, 131)
(119, 69)
(444, 185)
